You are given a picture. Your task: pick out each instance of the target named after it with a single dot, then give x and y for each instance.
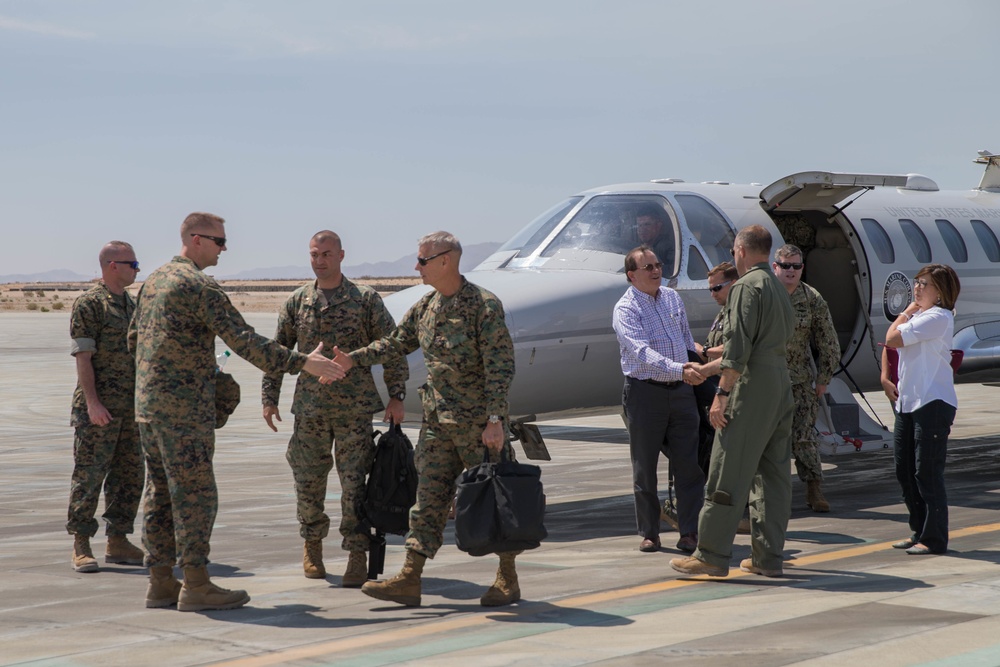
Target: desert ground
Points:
(250, 296)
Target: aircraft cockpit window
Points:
(953, 240)
(880, 241)
(536, 231)
(709, 227)
(918, 242)
(697, 269)
(987, 239)
(618, 223)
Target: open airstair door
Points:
(821, 190)
(843, 427)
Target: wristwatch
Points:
(401, 396)
(719, 391)
(494, 419)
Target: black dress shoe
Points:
(904, 544)
(649, 546)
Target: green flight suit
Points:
(751, 454)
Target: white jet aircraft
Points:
(864, 237)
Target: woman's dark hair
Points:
(945, 281)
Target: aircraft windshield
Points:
(618, 223)
(536, 231)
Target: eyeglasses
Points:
(655, 266)
(133, 265)
(921, 282)
(219, 240)
(423, 260)
(718, 288)
(790, 266)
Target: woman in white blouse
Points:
(925, 404)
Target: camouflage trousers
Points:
(805, 449)
(442, 453)
(108, 456)
(181, 498)
(309, 455)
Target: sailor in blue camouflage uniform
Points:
(814, 331)
(106, 449)
(179, 312)
(470, 364)
(333, 421)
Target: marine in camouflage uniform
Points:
(179, 312)
(349, 316)
(469, 357)
(106, 449)
(814, 331)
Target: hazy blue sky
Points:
(387, 120)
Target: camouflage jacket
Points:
(467, 350)
(178, 314)
(99, 324)
(715, 338)
(353, 318)
(813, 331)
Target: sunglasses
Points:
(423, 260)
(133, 265)
(655, 266)
(219, 240)
(718, 288)
(788, 266)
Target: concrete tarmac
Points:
(589, 596)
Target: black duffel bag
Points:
(499, 506)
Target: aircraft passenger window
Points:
(880, 241)
(709, 227)
(987, 239)
(918, 242)
(954, 241)
(536, 231)
(618, 223)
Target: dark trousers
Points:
(663, 419)
(920, 439)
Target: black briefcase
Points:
(499, 506)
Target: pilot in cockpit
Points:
(653, 228)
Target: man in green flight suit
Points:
(752, 416)
(178, 314)
(333, 311)
(106, 449)
(470, 364)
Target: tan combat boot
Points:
(814, 496)
(505, 589)
(199, 594)
(356, 573)
(83, 558)
(404, 588)
(163, 589)
(120, 550)
(312, 560)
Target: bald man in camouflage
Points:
(106, 449)
(179, 312)
(470, 364)
(333, 310)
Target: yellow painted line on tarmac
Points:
(450, 625)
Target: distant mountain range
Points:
(472, 255)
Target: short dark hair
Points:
(788, 250)
(631, 259)
(651, 211)
(727, 270)
(199, 222)
(945, 282)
